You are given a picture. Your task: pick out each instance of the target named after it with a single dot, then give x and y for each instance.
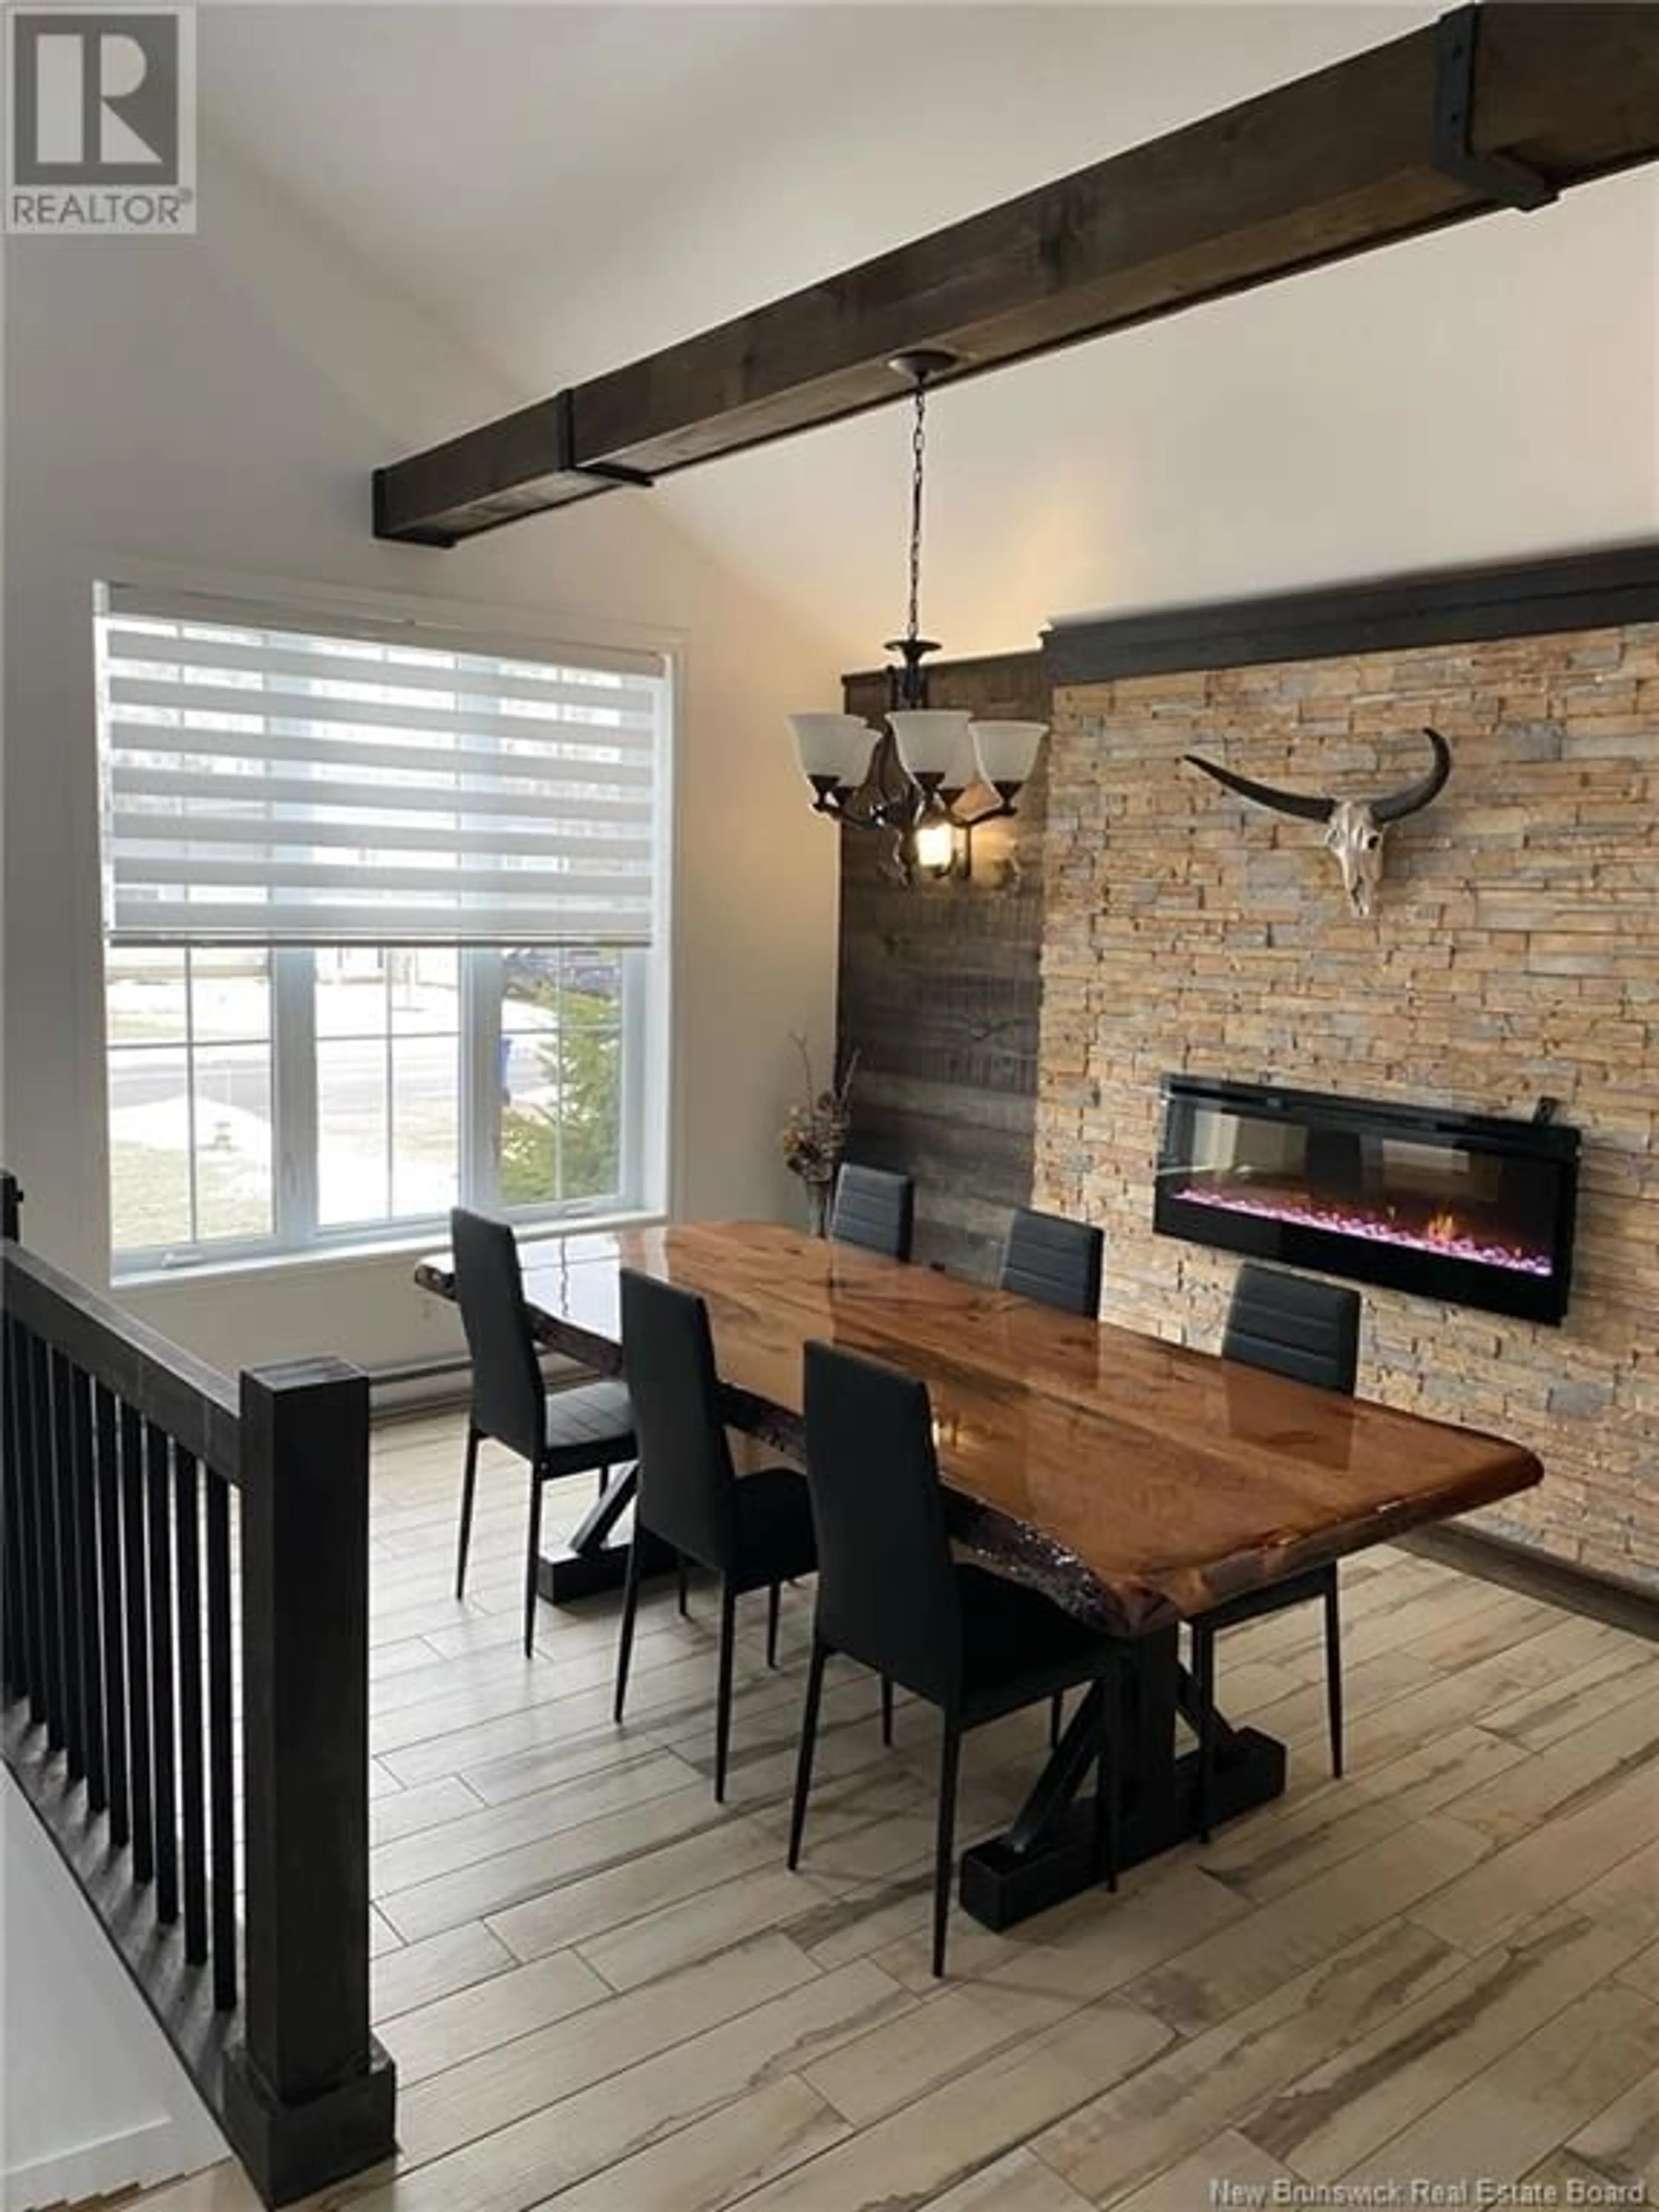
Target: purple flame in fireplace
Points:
(1449, 1238)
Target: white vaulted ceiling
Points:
(567, 187)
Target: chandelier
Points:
(930, 771)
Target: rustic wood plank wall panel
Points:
(938, 995)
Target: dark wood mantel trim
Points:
(1431, 129)
(1445, 606)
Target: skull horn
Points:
(1417, 795)
(1300, 803)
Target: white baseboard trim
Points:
(160, 2150)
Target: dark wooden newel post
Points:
(309, 2093)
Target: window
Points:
(389, 1028)
(562, 1032)
(384, 933)
(191, 1097)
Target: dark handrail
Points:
(192, 1401)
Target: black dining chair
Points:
(1055, 1261)
(891, 1596)
(575, 1432)
(1058, 1263)
(1310, 1332)
(874, 1208)
(755, 1531)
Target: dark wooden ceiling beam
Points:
(1352, 158)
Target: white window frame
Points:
(646, 1144)
(297, 1230)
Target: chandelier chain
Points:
(918, 446)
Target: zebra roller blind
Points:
(268, 781)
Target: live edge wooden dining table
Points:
(1134, 1481)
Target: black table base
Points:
(1047, 1854)
(591, 1563)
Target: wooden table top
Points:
(1138, 1481)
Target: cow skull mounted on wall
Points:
(1354, 826)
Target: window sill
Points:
(366, 1253)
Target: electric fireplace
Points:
(1466, 1207)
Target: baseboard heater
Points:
(424, 1385)
(416, 1370)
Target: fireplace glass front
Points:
(1465, 1208)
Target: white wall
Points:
(218, 402)
(121, 2109)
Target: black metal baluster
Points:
(51, 1628)
(89, 1621)
(108, 1477)
(159, 1450)
(138, 1640)
(69, 1563)
(221, 1777)
(9, 1581)
(17, 1621)
(51, 1588)
(187, 1538)
(29, 1531)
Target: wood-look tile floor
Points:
(606, 1994)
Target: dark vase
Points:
(817, 1205)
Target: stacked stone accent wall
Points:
(1515, 953)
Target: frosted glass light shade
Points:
(1008, 750)
(964, 770)
(929, 738)
(836, 745)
